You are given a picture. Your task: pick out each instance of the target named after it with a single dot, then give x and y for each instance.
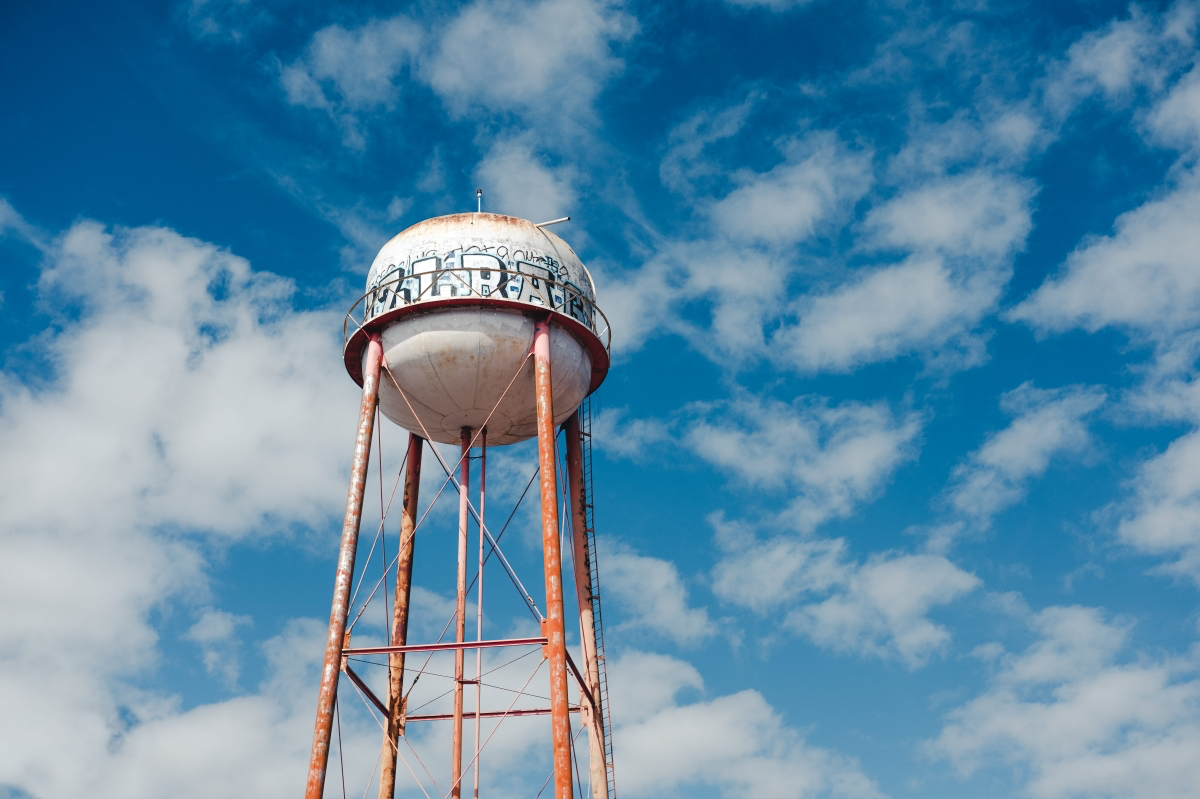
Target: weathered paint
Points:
(583, 591)
(319, 759)
(554, 627)
(460, 618)
(404, 564)
(455, 300)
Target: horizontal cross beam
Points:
(489, 714)
(448, 646)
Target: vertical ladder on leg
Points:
(585, 434)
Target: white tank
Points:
(455, 299)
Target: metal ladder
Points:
(585, 435)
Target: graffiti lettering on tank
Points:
(482, 270)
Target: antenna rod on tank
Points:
(553, 221)
(479, 198)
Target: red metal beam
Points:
(447, 645)
(492, 714)
(367, 692)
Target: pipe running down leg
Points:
(404, 564)
(556, 647)
(583, 590)
(460, 621)
(322, 731)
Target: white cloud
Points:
(1163, 516)
(684, 163)
(882, 608)
(878, 608)
(962, 232)
(1122, 57)
(360, 65)
(544, 58)
(1047, 422)
(832, 456)
(667, 748)
(11, 220)
(216, 633)
(916, 306)
(1072, 718)
(762, 575)
(1175, 120)
(651, 595)
(1142, 278)
(619, 436)
(183, 403)
(737, 274)
(516, 181)
(819, 180)
(741, 287)
(977, 214)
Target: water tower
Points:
(477, 330)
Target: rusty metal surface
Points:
(448, 646)
(362, 686)
(492, 714)
(479, 605)
(460, 620)
(319, 759)
(556, 645)
(356, 336)
(404, 564)
(456, 368)
(583, 591)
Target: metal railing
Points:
(536, 290)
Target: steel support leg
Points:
(404, 564)
(319, 760)
(479, 604)
(583, 592)
(460, 621)
(556, 647)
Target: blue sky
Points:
(897, 463)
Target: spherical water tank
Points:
(454, 300)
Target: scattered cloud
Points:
(651, 595)
(961, 232)
(1072, 717)
(545, 59)
(756, 754)
(1142, 278)
(920, 305)
(1124, 56)
(830, 456)
(1047, 422)
(881, 608)
(176, 381)
(516, 181)
(819, 180)
(1162, 517)
(877, 608)
(216, 634)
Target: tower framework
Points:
(436, 345)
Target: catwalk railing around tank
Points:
(522, 284)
